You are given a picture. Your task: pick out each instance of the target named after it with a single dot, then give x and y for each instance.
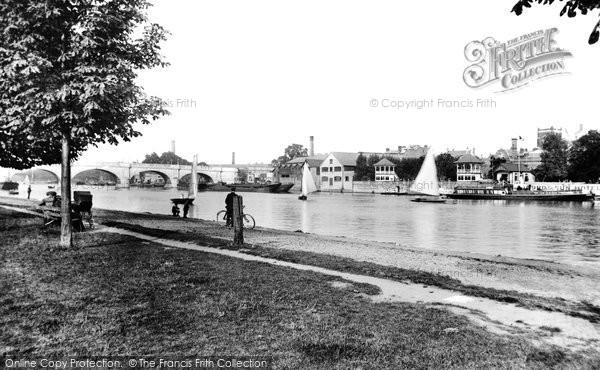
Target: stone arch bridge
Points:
(122, 173)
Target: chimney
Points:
(514, 144)
(172, 146)
(232, 157)
(312, 146)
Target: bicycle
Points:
(248, 220)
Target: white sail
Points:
(427, 179)
(193, 191)
(308, 183)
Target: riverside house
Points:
(337, 171)
(385, 170)
(468, 168)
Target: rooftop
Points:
(469, 158)
(345, 158)
(384, 162)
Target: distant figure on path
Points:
(229, 207)
(186, 209)
(28, 191)
(175, 210)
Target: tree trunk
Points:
(66, 232)
(238, 222)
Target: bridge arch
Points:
(149, 177)
(202, 179)
(36, 176)
(96, 176)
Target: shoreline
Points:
(542, 278)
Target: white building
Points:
(337, 171)
(385, 170)
(468, 168)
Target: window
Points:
(285, 176)
(324, 169)
(377, 178)
(347, 178)
(349, 168)
(318, 171)
(337, 178)
(331, 161)
(324, 178)
(337, 169)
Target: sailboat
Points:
(426, 182)
(308, 183)
(193, 189)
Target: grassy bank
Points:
(115, 295)
(584, 310)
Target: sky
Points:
(252, 77)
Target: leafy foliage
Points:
(361, 170)
(165, 158)
(554, 165)
(495, 162)
(408, 168)
(570, 8)
(69, 67)
(446, 166)
(584, 157)
(291, 152)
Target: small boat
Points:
(308, 183)
(193, 188)
(13, 192)
(427, 183)
(51, 186)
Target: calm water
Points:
(565, 232)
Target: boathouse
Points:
(385, 170)
(468, 168)
(291, 171)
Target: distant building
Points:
(384, 170)
(291, 171)
(517, 174)
(469, 168)
(337, 171)
(543, 132)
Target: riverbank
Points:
(461, 273)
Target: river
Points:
(563, 232)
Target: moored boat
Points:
(498, 192)
(254, 188)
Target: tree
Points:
(361, 170)
(291, 152)
(371, 160)
(570, 8)
(554, 166)
(584, 158)
(495, 162)
(166, 158)
(408, 168)
(446, 166)
(67, 81)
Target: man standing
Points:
(186, 209)
(229, 207)
(28, 191)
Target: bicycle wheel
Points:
(248, 221)
(221, 217)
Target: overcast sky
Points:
(265, 74)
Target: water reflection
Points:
(566, 232)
